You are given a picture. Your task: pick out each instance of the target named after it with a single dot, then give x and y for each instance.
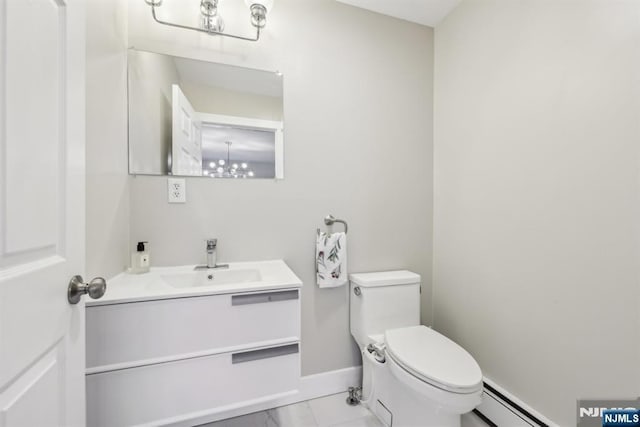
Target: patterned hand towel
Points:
(331, 259)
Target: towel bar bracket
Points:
(330, 220)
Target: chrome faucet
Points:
(212, 244)
(212, 256)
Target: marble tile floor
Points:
(327, 411)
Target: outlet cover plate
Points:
(177, 190)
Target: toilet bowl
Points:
(412, 375)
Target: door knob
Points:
(95, 288)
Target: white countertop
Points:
(126, 287)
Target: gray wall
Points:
(358, 144)
(107, 198)
(536, 196)
(151, 79)
(216, 100)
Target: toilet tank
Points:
(383, 300)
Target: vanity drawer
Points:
(168, 392)
(146, 332)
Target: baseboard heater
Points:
(497, 409)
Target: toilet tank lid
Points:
(385, 278)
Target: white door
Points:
(186, 145)
(41, 212)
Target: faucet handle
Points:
(212, 243)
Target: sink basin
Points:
(211, 278)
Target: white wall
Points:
(107, 199)
(358, 144)
(536, 196)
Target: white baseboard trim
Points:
(332, 382)
(504, 409)
(311, 387)
(496, 409)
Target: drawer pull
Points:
(263, 297)
(265, 353)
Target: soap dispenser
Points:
(140, 259)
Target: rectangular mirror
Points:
(196, 118)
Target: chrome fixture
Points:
(212, 244)
(330, 220)
(212, 23)
(355, 396)
(377, 350)
(225, 169)
(95, 289)
(212, 257)
(209, 19)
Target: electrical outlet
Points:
(177, 190)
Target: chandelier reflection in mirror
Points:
(212, 23)
(226, 169)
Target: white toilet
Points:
(412, 375)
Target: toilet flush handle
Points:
(357, 291)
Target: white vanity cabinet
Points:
(170, 360)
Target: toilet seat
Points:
(434, 359)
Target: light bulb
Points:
(268, 4)
(221, 162)
(244, 165)
(212, 23)
(250, 173)
(235, 166)
(259, 10)
(209, 7)
(220, 169)
(212, 164)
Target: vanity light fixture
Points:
(212, 23)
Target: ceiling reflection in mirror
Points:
(229, 152)
(195, 118)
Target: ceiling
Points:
(425, 12)
(249, 145)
